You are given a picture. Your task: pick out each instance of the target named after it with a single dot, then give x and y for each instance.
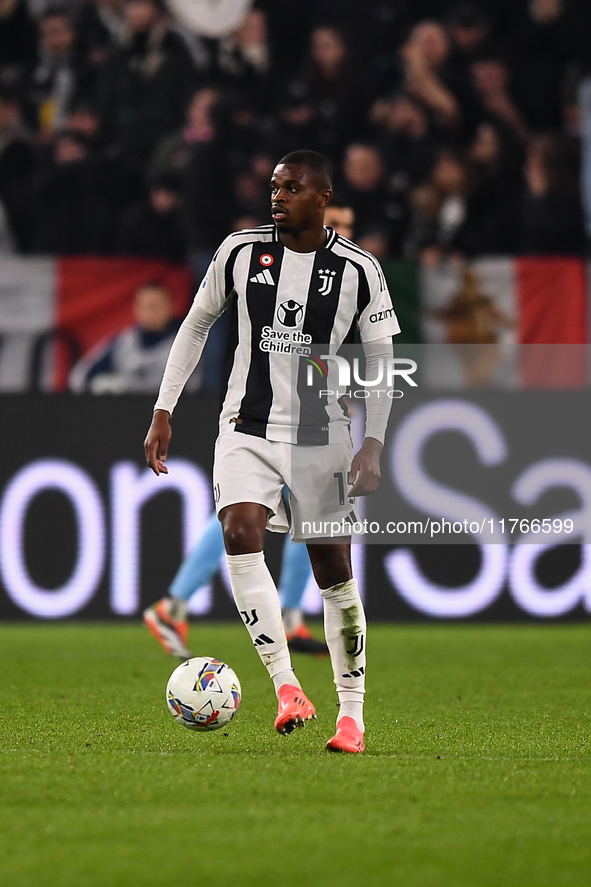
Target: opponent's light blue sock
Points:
(295, 572)
(202, 563)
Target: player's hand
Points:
(365, 468)
(157, 440)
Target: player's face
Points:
(297, 199)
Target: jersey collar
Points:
(332, 236)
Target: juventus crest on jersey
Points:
(285, 307)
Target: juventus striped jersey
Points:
(286, 307)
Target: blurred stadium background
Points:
(135, 134)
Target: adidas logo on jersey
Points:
(263, 277)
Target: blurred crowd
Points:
(139, 127)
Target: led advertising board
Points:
(87, 531)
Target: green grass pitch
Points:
(478, 770)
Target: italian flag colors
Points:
(53, 310)
(500, 303)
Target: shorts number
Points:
(340, 476)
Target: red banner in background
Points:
(95, 295)
(552, 294)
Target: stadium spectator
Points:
(100, 23)
(252, 192)
(491, 226)
(584, 105)
(241, 127)
(340, 217)
(146, 83)
(134, 360)
(209, 200)
(281, 21)
(154, 226)
(244, 61)
(262, 167)
(468, 28)
(366, 188)
(210, 209)
(373, 30)
(17, 163)
(439, 210)
(423, 56)
(541, 45)
(335, 88)
(551, 213)
(73, 198)
(61, 75)
(173, 152)
(402, 130)
(18, 38)
(295, 121)
(117, 76)
(83, 120)
(251, 197)
(492, 81)
(581, 64)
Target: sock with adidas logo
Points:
(258, 604)
(345, 629)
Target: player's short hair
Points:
(319, 165)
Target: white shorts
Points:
(253, 469)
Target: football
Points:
(203, 694)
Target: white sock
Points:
(258, 604)
(345, 628)
(292, 619)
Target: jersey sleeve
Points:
(216, 287)
(376, 316)
(377, 408)
(211, 300)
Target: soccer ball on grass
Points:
(203, 694)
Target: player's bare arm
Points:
(365, 472)
(157, 441)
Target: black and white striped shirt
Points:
(286, 307)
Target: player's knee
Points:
(243, 526)
(239, 538)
